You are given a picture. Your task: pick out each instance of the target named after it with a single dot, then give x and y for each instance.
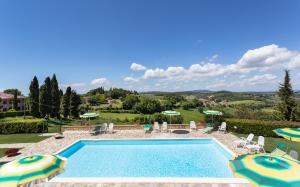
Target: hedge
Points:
(13, 114)
(158, 117)
(22, 126)
(117, 111)
(258, 127)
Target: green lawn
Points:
(2, 151)
(244, 102)
(21, 138)
(270, 143)
(190, 115)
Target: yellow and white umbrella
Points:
(292, 134)
(31, 170)
(265, 170)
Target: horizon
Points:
(150, 45)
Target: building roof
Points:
(9, 96)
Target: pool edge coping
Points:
(149, 179)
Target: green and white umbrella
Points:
(213, 113)
(171, 113)
(89, 115)
(31, 170)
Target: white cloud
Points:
(100, 82)
(266, 58)
(130, 79)
(73, 85)
(137, 67)
(261, 80)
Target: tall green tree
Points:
(12, 91)
(46, 98)
(55, 96)
(75, 102)
(34, 99)
(286, 94)
(15, 100)
(66, 102)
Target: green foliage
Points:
(66, 102)
(148, 106)
(55, 96)
(130, 101)
(167, 105)
(117, 93)
(75, 102)
(34, 97)
(46, 98)
(13, 114)
(96, 91)
(186, 105)
(158, 117)
(286, 95)
(96, 100)
(258, 127)
(19, 125)
(15, 100)
(12, 91)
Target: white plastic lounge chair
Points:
(244, 141)
(193, 126)
(259, 147)
(222, 128)
(110, 128)
(104, 128)
(156, 127)
(294, 154)
(164, 127)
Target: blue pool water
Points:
(147, 158)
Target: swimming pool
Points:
(154, 158)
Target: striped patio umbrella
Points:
(89, 115)
(292, 134)
(213, 113)
(171, 113)
(31, 170)
(266, 170)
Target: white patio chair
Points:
(164, 127)
(156, 127)
(110, 128)
(244, 141)
(222, 128)
(294, 154)
(103, 128)
(193, 126)
(259, 147)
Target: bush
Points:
(258, 127)
(148, 106)
(13, 113)
(18, 125)
(157, 117)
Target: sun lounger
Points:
(294, 154)
(110, 128)
(244, 141)
(156, 127)
(147, 128)
(193, 126)
(96, 130)
(164, 127)
(259, 147)
(103, 128)
(222, 128)
(208, 130)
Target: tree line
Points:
(48, 100)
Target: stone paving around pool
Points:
(52, 145)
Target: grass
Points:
(244, 102)
(190, 115)
(121, 116)
(2, 151)
(21, 138)
(270, 143)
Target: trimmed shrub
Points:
(13, 114)
(11, 126)
(258, 127)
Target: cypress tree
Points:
(74, 104)
(286, 95)
(15, 100)
(66, 102)
(55, 96)
(34, 97)
(46, 98)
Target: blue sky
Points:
(150, 44)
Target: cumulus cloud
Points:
(73, 85)
(100, 82)
(130, 79)
(137, 67)
(265, 58)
